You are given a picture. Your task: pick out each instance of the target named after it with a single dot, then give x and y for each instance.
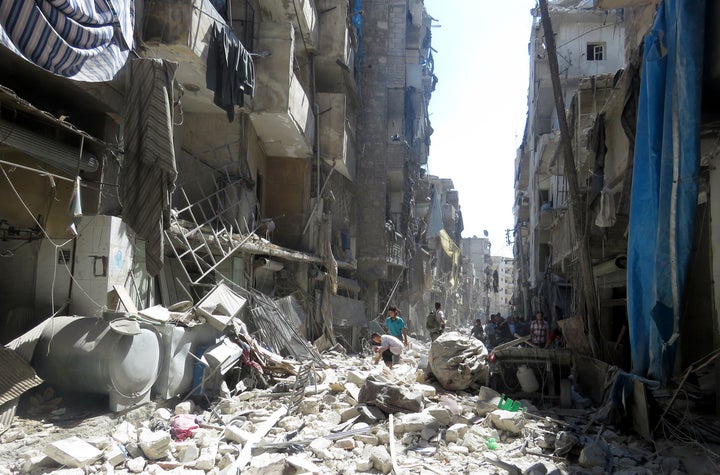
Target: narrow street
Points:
(345, 416)
(284, 237)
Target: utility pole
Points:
(581, 232)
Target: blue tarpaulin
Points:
(664, 184)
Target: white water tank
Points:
(93, 355)
(528, 381)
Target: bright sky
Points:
(479, 107)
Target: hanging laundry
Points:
(230, 70)
(148, 174)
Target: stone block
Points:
(114, 455)
(154, 445)
(512, 422)
(73, 452)
(592, 455)
(381, 460)
(185, 407)
(415, 422)
(456, 432)
(367, 439)
(135, 465)
(125, 433)
(347, 443)
(426, 389)
(348, 414)
(441, 414)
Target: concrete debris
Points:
(73, 452)
(342, 424)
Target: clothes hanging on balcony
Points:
(230, 70)
(83, 40)
(148, 174)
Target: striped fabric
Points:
(148, 174)
(84, 40)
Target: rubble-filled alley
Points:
(256, 412)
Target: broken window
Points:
(595, 52)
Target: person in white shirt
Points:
(388, 346)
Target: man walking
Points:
(435, 322)
(395, 325)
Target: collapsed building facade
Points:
(645, 191)
(267, 158)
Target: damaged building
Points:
(159, 154)
(637, 79)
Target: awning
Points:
(83, 40)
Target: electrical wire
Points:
(53, 243)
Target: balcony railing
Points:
(395, 247)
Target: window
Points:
(595, 51)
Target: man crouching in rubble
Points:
(389, 346)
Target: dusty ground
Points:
(455, 440)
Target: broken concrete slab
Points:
(73, 452)
(487, 401)
(415, 422)
(512, 422)
(380, 457)
(154, 444)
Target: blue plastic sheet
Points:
(664, 184)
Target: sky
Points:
(479, 107)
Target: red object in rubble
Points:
(183, 425)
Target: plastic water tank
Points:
(91, 355)
(528, 381)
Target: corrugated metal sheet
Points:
(7, 414)
(16, 376)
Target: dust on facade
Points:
(246, 152)
(192, 189)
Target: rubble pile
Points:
(348, 417)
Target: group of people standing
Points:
(500, 330)
(389, 346)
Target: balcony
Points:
(418, 24)
(305, 22)
(548, 161)
(282, 114)
(335, 60)
(449, 215)
(395, 247)
(336, 137)
(180, 30)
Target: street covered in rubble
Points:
(253, 411)
(226, 248)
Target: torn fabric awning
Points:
(83, 40)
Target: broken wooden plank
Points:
(393, 454)
(246, 454)
(124, 297)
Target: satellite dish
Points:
(485, 233)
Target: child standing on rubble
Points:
(388, 346)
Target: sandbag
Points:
(458, 360)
